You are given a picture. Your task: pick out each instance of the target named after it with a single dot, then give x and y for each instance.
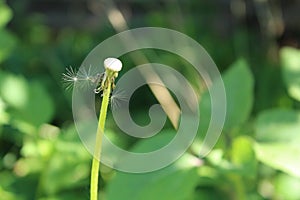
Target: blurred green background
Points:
(253, 42)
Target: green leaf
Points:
(177, 181)
(287, 187)
(3, 114)
(282, 156)
(5, 14)
(7, 43)
(154, 143)
(13, 89)
(238, 81)
(7, 194)
(278, 125)
(277, 132)
(243, 155)
(290, 59)
(29, 101)
(21, 187)
(39, 108)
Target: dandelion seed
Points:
(85, 78)
(86, 74)
(118, 98)
(89, 77)
(69, 78)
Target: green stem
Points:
(98, 146)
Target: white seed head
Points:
(113, 64)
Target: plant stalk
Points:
(98, 146)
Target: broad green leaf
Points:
(176, 181)
(7, 195)
(154, 143)
(287, 187)
(5, 14)
(13, 90)
(7, 43)
(290, 59)
(278, 125)
(10, 186)
(29, 101)
(3, 114)
(238, 81)
(39, 107)
(282, 156)
(8, 177)
(277, 132)
(243, 155)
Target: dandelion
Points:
(105, 83)
(88, 77)
(84, 78)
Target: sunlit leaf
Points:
(243, 155)
(30, 102)
(7, 195)
(21, 188)
(290, 59)
(278, 125)
(277, 132)
(287, 187)
(13, 90)
(5, 14)
(39, 107)
(280, 156)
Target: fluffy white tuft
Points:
(113, 64)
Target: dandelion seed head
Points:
(85, 78)
(113, 64)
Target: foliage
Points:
(42, 157)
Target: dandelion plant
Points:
(105, 83)
(112, 67)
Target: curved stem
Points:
(98, 146)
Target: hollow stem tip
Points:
(113, 64)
